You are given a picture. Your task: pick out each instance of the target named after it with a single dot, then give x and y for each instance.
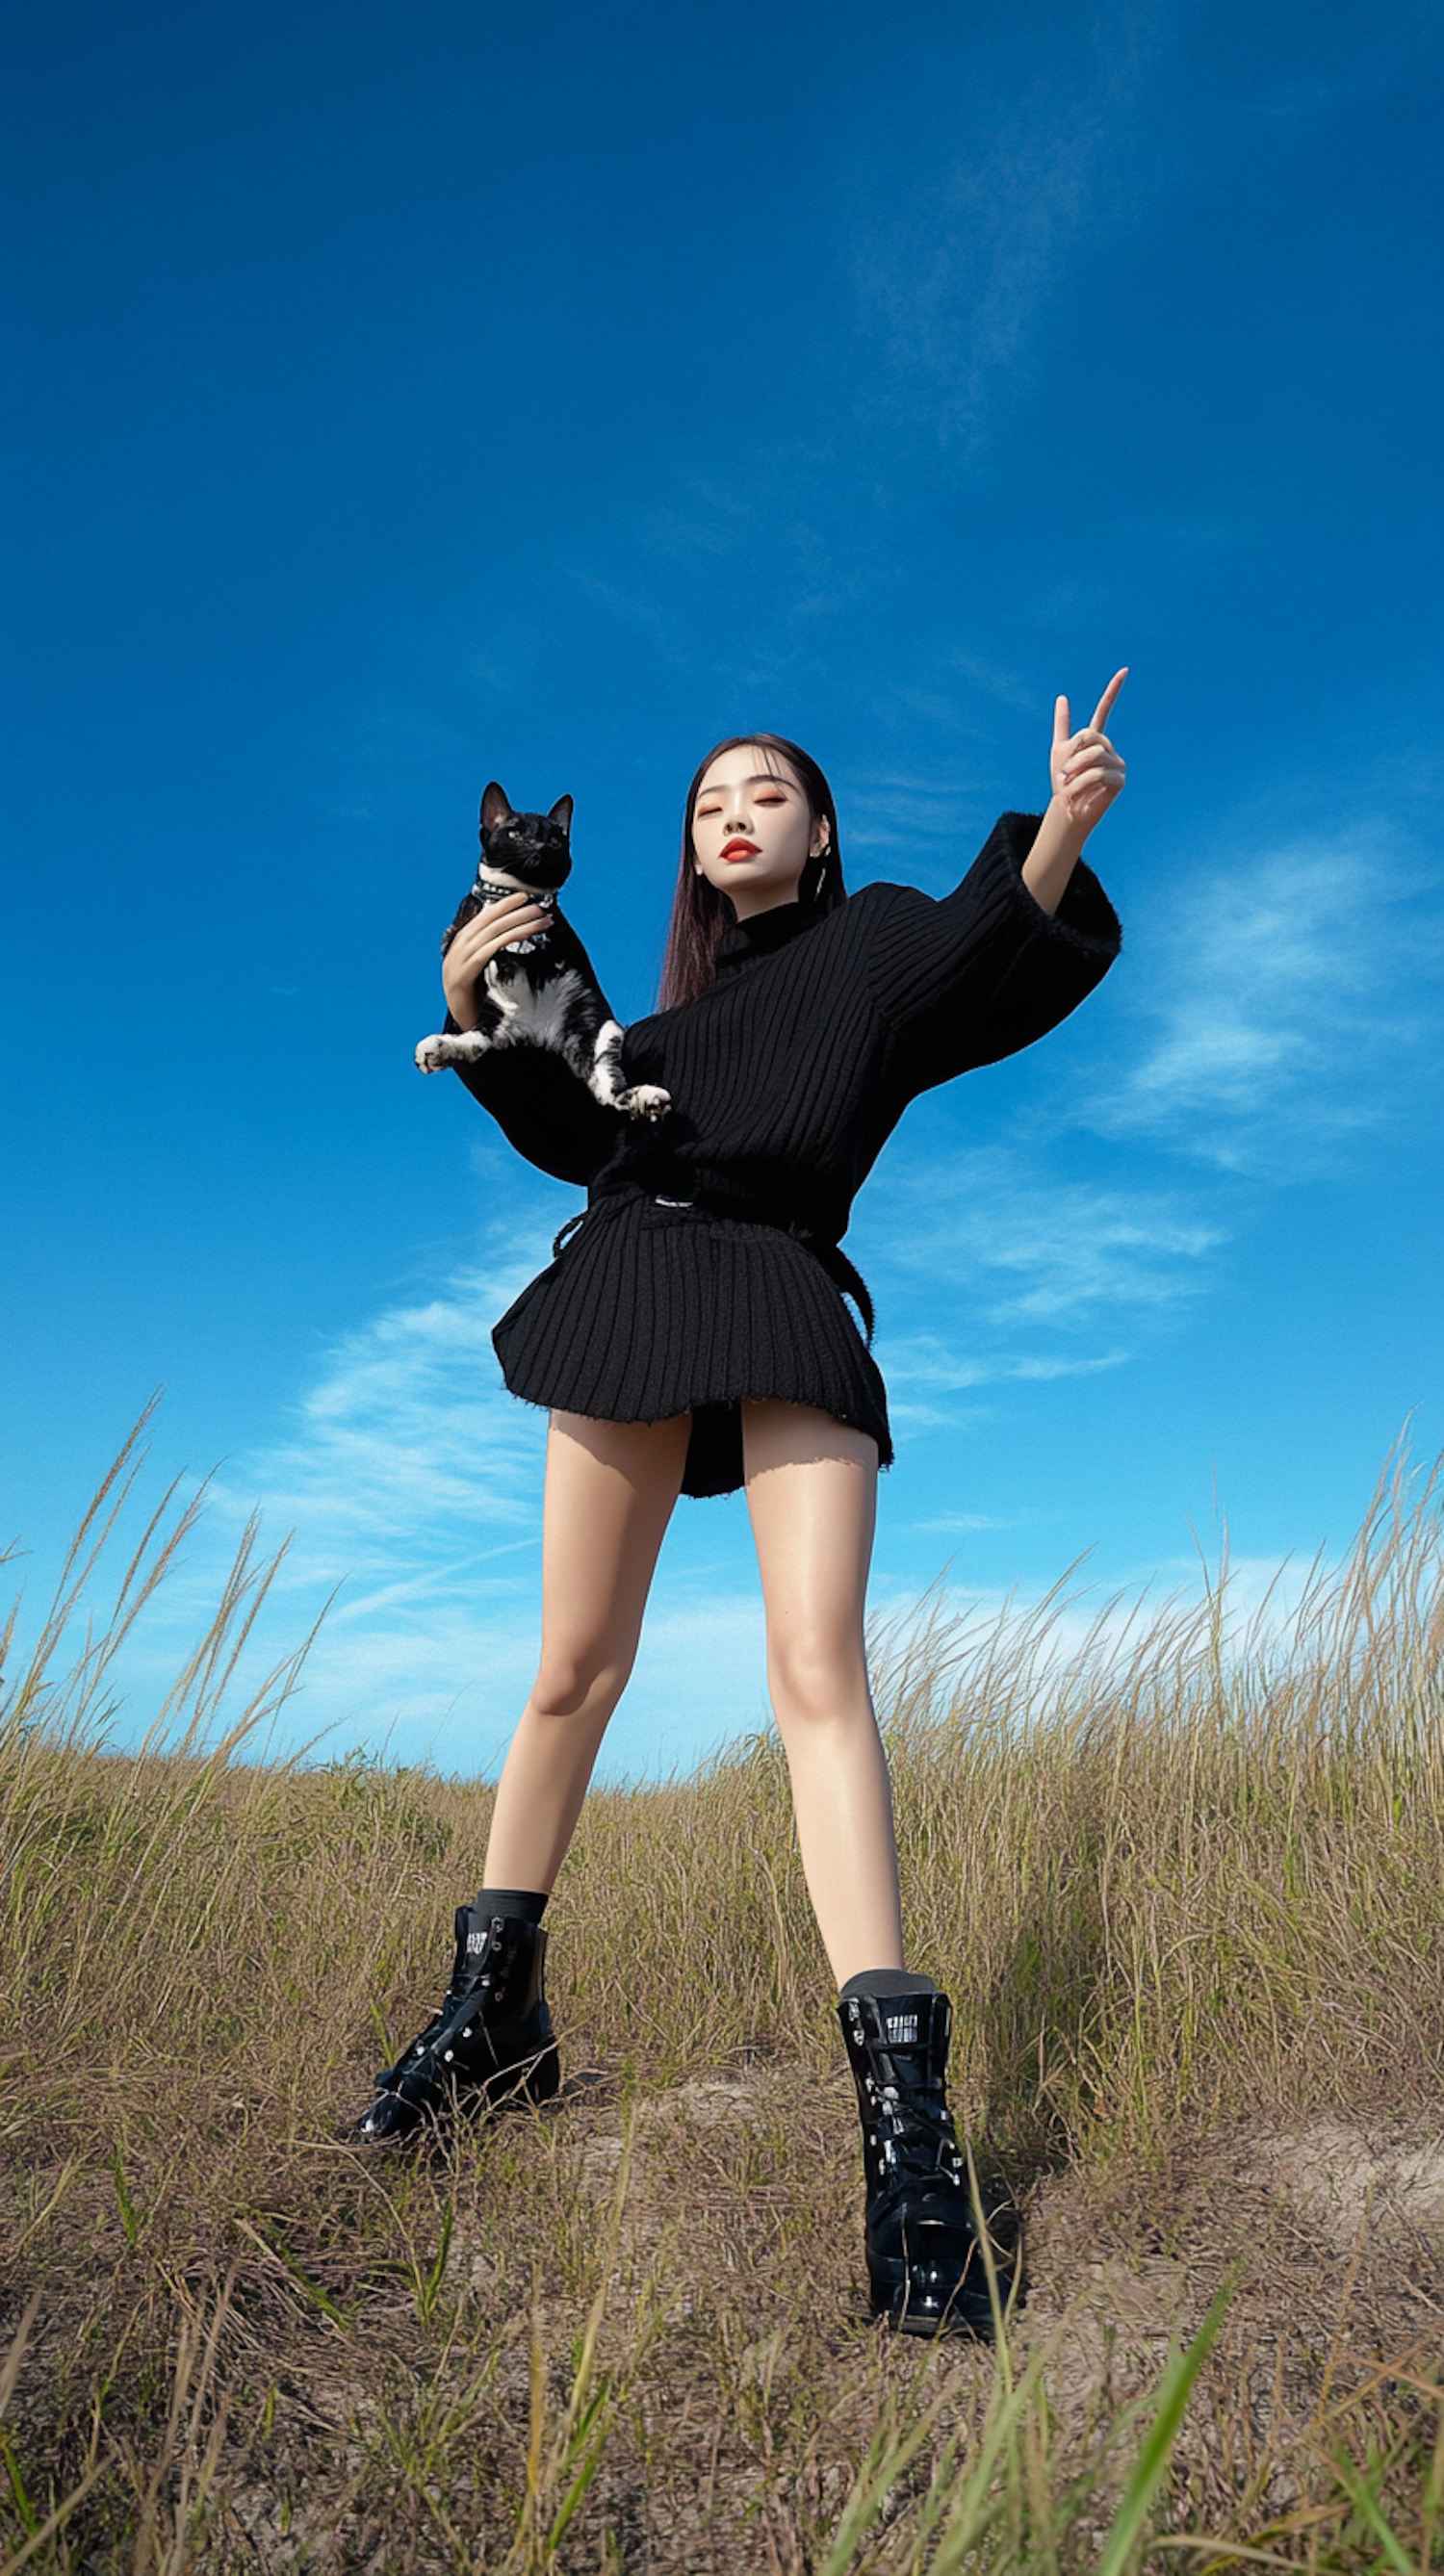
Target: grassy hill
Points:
(1184, 1880)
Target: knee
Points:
(585, 1686)
(818, 1679)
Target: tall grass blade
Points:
(54, 2521)
(1174, 2391)
(1366, 2504)
(888, 2457)
(320, 2299)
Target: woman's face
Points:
(752, 829)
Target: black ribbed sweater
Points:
(706, 1270)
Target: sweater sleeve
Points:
(542, 1109)
(967, 980)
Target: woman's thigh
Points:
(610, 1492)
(812, 1496)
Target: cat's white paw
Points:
(645, 1100)
(430, 1054)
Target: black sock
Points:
(513, 1904)
(887, 1981)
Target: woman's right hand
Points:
(512, 916)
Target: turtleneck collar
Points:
(760, 934)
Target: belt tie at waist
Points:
(834, 1260)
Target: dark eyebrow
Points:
(759, 778)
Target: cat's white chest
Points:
(534, 1016)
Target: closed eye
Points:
(757, 800)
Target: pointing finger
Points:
(1060, 720)
(1105, 703)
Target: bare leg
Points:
(610, 1489)
(811, 1491)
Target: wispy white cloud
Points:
(996, 680)
(911, 822)
(412, 1484)
(924, 1360)
(991, 1271)
(1297, 94)
(408, 1426)
(953, 279)
(997, 1228)
(1292, 1010)
(966, 1524)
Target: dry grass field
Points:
(1185, 1882)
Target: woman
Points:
(692, 1337)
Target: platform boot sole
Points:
(919, 2291)
(922, 2298)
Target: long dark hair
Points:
(700, 915)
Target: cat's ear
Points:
(495, 807)
(562, 813)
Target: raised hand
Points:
(1087, 773)
(513, 916)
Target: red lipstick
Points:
(740, 849)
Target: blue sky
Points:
(400, 399)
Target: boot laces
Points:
(913, 2132)
(471, 2000)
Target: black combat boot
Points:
(491, 2041)
(925, 2267)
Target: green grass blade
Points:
(128, 2217)
(1366, 2505)
(23, 2506)
(578, 2488)
(53, 2522)
(971, 2515)
(318, 2297)
(1173, 2395)
(428, 2285)
(883, 2464)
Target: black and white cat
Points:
(539, 991)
